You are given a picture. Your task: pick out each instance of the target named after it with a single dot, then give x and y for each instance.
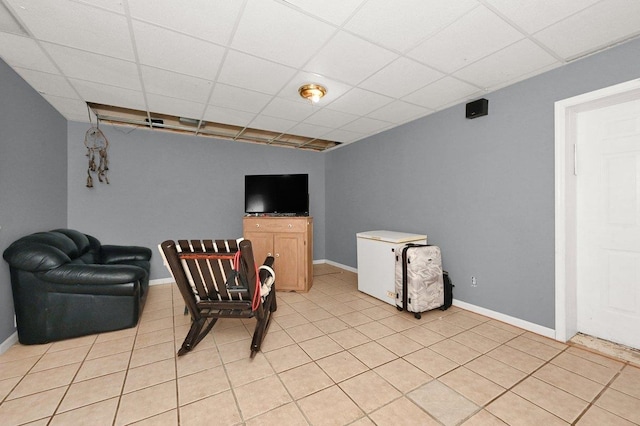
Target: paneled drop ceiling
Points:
(235, 64)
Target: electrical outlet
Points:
(474, 282)
(391, 295)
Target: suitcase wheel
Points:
(418, 316)
(399, 308)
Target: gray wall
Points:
(33, 173)
(170, 186)
(482, 189)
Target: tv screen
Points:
(277, 194)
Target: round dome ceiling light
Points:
(312, 92)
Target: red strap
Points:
(256, 294)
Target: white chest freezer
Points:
(376, 261)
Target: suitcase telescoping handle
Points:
(405, 304)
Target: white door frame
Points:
(565, 196)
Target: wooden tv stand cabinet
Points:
(289, 240)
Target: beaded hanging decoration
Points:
(96, 144)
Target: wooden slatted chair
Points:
(211, 287)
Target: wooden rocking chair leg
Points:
(259, 333)
(262, 326)
(196, 334)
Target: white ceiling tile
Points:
(591, 28)
(442, 92)
(49, 84)
(367, 125)
(292, 110)
(273, 124)
(253, 73)
(330, 118)
(238, 98)
(334, 88)
(71, 109)
(477, 34)
(93, 67)
(334, 11)
(309, 130)
(359, 102)
(162, 48)
(413, 76)
(77, 25)
(534, 15)
(176, 85)
(210, 20)
(24, 52)
(349, 59)
(261, 33)
(399, 112)
(9, 24)
(507, 65)
(230, 116)
(109, 95)
(400, 24)
(178, 107)
(112, 5)
(344, 136)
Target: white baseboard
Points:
(517, 322)
(9, 341)
(336, 264)
(161, 281)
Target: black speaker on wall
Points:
(478, 108)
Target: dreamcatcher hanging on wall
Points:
(97, 145)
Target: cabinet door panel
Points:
(262, 245)
(289, 261)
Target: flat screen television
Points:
(277, 194)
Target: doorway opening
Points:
(566, 262)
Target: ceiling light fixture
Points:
(312, 92)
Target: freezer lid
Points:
(391, 236)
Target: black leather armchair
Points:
(66, 284)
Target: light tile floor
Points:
(333, 356)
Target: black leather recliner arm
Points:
(113, 280)
(113, 254)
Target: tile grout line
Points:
(175, 355)
(68, 386)
(231, 387)
(13, 388)
(126, 373)
(602, 391)
(55, 411)
(607, 386)
(369, 369)
(528, 375)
